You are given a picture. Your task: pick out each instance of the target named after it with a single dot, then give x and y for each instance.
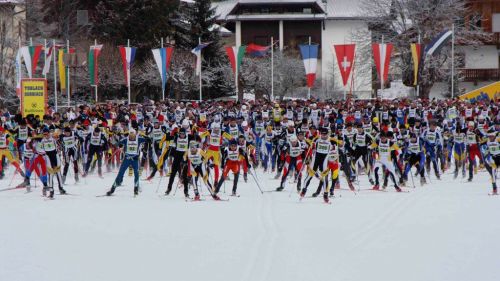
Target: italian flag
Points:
(235, 55)
(93, 65)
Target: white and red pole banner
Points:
(382, 56)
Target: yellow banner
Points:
(34, 97)
(489, 92)
(62, 70)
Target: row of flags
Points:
(345, 54)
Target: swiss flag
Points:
(345, 58)
(382, 56)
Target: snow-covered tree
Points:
(194, 22)
(401, 22)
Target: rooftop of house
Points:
(329, 9)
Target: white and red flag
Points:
(345, 58)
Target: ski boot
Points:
(112, 190)
(376, 187)
(64, 179)
(280, 188)
(76, 178)
(325, 197)
(62, 191)
(245, 177)
(51, 193)
(422, 181)
(136, 190)
(25, 183)
(402, 181)
(398, 189)
(197, 197)
(303, 192)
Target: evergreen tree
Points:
(195, 21)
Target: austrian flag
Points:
(382, 56)
(310, 57)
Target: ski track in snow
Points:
(445, 230)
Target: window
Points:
(261, 40)
(496, 22)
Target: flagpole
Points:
(45, 55)
(95, 59)
(309, 56)
(54, 54)
(345, 86)
(163, 82)
(272, 68)
(382, 69)
(199, 43)
(20, 73)
(418, 58)
(453, 61)
(128, 74)
(68, 75)
(236, 75)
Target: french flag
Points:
(128, 56)
(257, 50)
(310, 58)
(162, 58)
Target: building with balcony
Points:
(293, 22)
(482, 63)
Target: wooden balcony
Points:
(475, 75)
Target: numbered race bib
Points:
(23, 134)
(295, 151)
(132, 147)
(182, 144)
(233, 155)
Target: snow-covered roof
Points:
(11, 1)
(275, 1)
(335, 9)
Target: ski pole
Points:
(159, 182)
(412, 182)
(13, 176)
(258, 185)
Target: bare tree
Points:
(401, 22)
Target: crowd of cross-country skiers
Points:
(204, 143)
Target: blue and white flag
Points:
(438, 42)
(197, 52)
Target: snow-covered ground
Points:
(446, 230)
